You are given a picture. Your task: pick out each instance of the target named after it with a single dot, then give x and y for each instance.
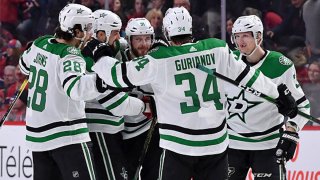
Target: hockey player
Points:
(254, 124)
(105, 113)
(57, 131)
(190, 103)
(140, 35)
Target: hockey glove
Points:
(101, 85)
(103, 49)
(286, 104)
(286, 146)
(150, 107)
(157, 43)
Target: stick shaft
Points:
(252, 91)
(18, 94)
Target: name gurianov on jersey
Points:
(192, 62)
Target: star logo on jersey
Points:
(240, 105)
(79, 11)
(285, 61)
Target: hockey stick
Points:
(252, 91)
(18, 94)
(145, 148)
(282, 169)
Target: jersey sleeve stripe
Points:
(117, 103)
(108, 97)
(124, 75)
(72, 85)
(301, 100)
(23, 66)
(68, 79)
(253, 78)
(114, 76)
(243, 74)
(254, 134)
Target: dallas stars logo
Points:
(79, 11)
(103, 15)
(239, 106)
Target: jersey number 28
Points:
(39, 81)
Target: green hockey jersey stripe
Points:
(194, 143)
(275, 59)
(109, 97)
(117, 103)
(106, 121)
(72, 85)
(88, 159)
(193, 131)
(253, 78)
(114, 76)
(67, 80)
(268, 138)
(55, 125)
(57, 135)
(164, 52)
(49, 44)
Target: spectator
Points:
(26, 30)
(311, 16)
(284, 34)
(155, 17)
(13, 52)
(158, 5)
(229, 25)
(138, 11)
(91, 4)
(200, 29)
(9, 14)
(116, 7)
(8, 80)
(312, 89)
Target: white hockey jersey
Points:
(190, 103)
(136, 125)
(57, 90)
(105, 113)
(254, 123)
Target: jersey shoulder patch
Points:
(275, 64)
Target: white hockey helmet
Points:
(138, 26)
(251, 23)
(177, 21)
(106, 21)
(73, 14)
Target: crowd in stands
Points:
(291, 27)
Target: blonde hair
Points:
(152, 13)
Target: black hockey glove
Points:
(101, 85)
(286, 146)
(150, 110)
(103, 49)
(286, 104)
(157, 43)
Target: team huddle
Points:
(93, 96)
